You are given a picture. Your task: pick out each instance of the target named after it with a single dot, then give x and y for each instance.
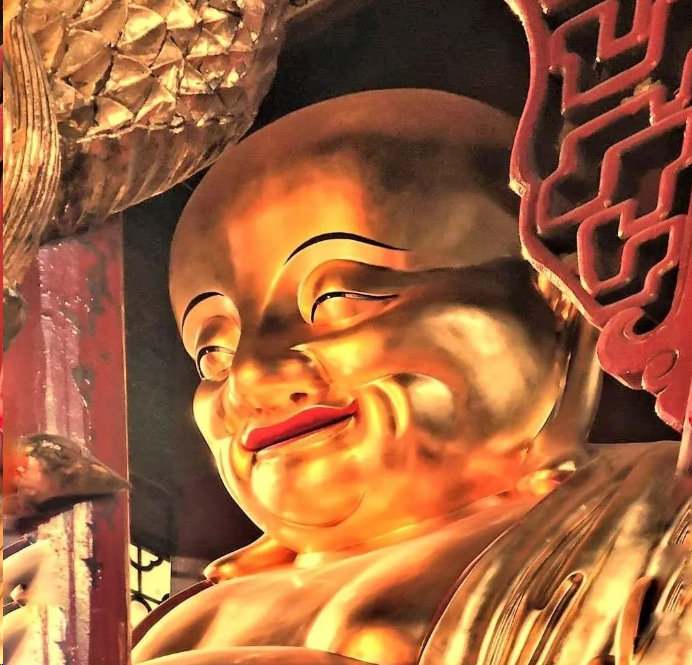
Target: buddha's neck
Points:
(520, 501)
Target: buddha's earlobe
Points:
(559, 448)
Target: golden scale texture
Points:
(142, 95)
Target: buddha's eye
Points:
(340, 306)
(214, 363)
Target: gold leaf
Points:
(224, 31)
(82, 47)
(110, 115)
(169, 54)
(158, 107)
(93, 8)
(69, 7)
(126, 71)
(140, 23)
(169, 77)
(210, 14)
(184, 38)
(193, 82)
(65, 98)
(206, 45)
(214, 69)
(143, 36)
(181, 16)
(39, 14)
(89, 78)
(109, 23)
(133, 96)
(51, 41)
(161, 7)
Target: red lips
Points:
(303, 423)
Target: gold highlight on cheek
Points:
(315, 471)
(349, 354)
(248, 374)
(293, 368)
(395, 396)
(431, 403)
(381, 644)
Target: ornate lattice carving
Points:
(603, 162)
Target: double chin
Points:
(319, 485)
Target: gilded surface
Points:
(389, 395)
(137, 96)
(31, 157)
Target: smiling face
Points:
(372, 350)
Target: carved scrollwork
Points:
(603, 162)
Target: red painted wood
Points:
(610, 81)
(65, 374)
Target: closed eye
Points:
(214, 362)
(347, 294)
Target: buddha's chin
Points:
(301, 519)
(307, 493)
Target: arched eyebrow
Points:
(341, 235)
(196, 301)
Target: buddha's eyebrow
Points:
(341, 235)
(196, 301)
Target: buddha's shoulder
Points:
(597, 567)
(663, 454)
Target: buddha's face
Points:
(364, 366)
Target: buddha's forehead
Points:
(372, 165)
(241, 250)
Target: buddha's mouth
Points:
(303, 424)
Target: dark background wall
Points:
(470, 47)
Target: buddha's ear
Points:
(563, 306)
(560, 446)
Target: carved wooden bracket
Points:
(603, 163)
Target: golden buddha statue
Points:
(402, 406)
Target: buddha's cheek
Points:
(316, 487)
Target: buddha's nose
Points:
(264, 381)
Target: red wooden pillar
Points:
(65, 374)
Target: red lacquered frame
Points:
(615, 79)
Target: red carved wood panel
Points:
(603, 162)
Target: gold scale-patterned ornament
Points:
(108, 102)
